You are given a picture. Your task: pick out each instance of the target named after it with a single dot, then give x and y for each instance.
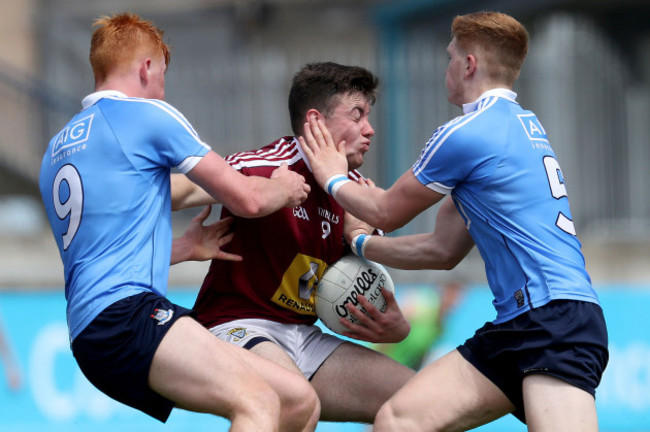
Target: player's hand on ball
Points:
(326, 157)
(294, 183)
(374, 326)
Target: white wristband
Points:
(359, 243)
(333, 183)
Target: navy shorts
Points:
(116, 349)
(566, 339)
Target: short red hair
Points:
(118, 39)
(500, 36)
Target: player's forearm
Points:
(264, 196)
(367, 204)
(443, 249)
(412, 252)
(187, 194)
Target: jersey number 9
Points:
(71, 206)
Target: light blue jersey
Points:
(105, 185)
(498, 165)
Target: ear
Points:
(313, 113)
(470, 65)
(145, 66)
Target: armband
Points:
(359, 243)
(333, 183)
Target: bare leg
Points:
(447, 395)
(202, 373)
(355, 381)
(555, 405)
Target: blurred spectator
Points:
(426, 309)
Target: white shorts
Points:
(307, 345)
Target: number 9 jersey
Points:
(104, 181)
(498, 165)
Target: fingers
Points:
(389, 296)
(226, 256)
(279, 171)
(203, 215)
(224, 240)
(316, 132)
(308, 141)
(222, 225)
(316, 136)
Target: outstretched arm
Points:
(384, 209)
(248, 196)
(441, 249)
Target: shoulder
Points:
(355, 175)
(149, 110)
(282, 151)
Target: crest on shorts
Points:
(162, 316)
(237, 333)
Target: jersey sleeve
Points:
(455, 153)
(175, 143)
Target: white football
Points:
(343, 282)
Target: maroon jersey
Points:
(284, 253)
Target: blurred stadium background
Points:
(587, 77)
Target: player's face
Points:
(454, 74)
(349, 121)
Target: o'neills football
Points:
(343, 282)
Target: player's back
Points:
(105, 186)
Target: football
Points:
(343, 282)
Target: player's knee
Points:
(391, 419)
(304, 408)
(261, 405)
(385, 419)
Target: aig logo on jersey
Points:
(534, 129)
(73, 135)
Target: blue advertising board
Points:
(55, 396)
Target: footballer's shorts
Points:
(116, 349)
(306, 345)
(566, 339)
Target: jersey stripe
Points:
(441, 134)
(170, 110)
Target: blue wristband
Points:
(358, 245)
(333, 183)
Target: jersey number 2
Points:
(72, 206)
(558, 190)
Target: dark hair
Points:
(319, 86)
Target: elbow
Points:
(176, 206)
(448, 264)
(251, 206)
(443, 259)
(384, 223)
